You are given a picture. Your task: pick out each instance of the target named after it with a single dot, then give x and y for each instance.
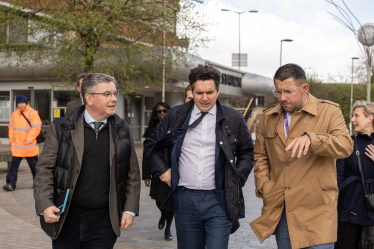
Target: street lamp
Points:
(284, 40)
(351, 114)
(250, 11)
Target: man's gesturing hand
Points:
(127, 220)
(302, 143)
(50, 214)
(166, 177)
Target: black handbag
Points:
(41, 137)
(369, 199)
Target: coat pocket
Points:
(314, 183)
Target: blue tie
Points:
(173, 137)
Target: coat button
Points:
(231, 161)
(235, 139)
(72, 187)
(78, 171)
(274, 133)
(221, 142)
(288, 163)
(287, 188)
(168, 132)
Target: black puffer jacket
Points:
(65, 159)
(237, 146)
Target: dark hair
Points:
(207, 72)
(153, 122)
(81, 77)
(90, 82)
(290, 71)
(188, 88)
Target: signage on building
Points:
(230, 80)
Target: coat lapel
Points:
(77, 136)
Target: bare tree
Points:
(348, 19)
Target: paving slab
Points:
(20, 226)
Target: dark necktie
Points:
(173, 137)
(97, 126)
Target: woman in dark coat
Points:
(355, 220)
(153, 181)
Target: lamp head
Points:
(287, 40)
(225, 10)
(253, 11)
(355, 58)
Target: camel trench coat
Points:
(307, 186)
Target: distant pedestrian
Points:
(22, 139)
(72, 105)
(152, 180)
(188, 94)
(88, 159)
(209, 159)
(355, 220)
(296, 146)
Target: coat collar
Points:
(186, 108)
(309, 107)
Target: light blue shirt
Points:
(90, 120)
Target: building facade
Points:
(50, 98)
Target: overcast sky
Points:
(319, 41)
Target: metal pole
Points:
(280, 63)
(239, 41)
(350, 115)
(163, 54)
(368, 67)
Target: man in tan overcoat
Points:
(296, 146)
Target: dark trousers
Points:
(200, 220)
(86, 232)
(11, 177)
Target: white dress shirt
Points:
(197, 159)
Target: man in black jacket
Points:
(210, 157)
(91, 154)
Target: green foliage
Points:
(339, 93)
(116, 37)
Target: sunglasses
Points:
(162, 111)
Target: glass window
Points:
(43, 105)
(62, 98)
(5, 112)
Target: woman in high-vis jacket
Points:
(22, 139)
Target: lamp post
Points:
(284, 40)
(250, 11)
(351, 114)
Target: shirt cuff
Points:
(128, 212)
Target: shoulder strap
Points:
(26, 118)
(360, 167)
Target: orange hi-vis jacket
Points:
(22, 136)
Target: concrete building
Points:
(50, 98)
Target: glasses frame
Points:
(116, 94)
(275, 91)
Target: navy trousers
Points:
(86, 232)
(282, 236)
(200, 220)
(11, 177)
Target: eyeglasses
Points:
(108, 95)
(287, 93)
(162, 111)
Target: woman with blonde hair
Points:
(355, 219)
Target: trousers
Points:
(11, 177)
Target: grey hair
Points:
(92, 80)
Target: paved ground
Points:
(20, 226)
